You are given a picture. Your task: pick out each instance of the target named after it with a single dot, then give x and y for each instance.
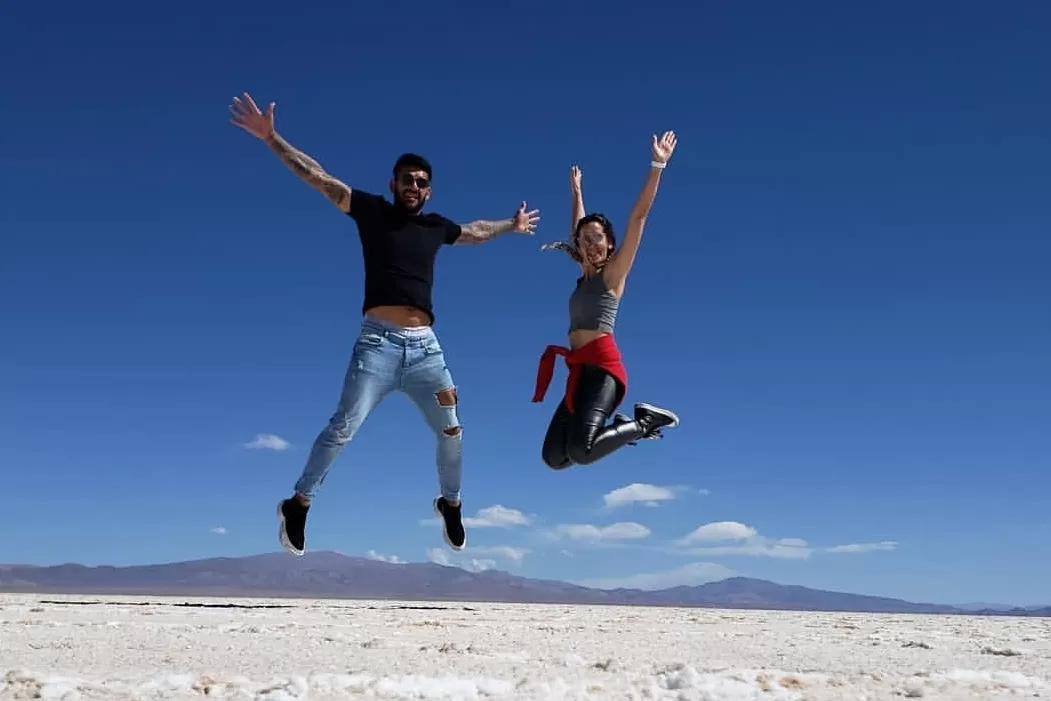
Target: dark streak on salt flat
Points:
(204, 605)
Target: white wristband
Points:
(657, 164)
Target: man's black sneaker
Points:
(654, 419)
(292, 518)
(452, 522)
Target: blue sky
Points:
(842, 290)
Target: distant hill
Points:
(1035, 611)
(332, 575)
(983, 606)
(992, 609)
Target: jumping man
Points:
(396, 348)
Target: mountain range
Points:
(334, 575)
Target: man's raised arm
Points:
(483, 230)
(335, 191)
(261, 125)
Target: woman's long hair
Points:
(572, 248)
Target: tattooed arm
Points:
(248, 116)
(334, 190)
(483, 230)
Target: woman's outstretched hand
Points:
(662, 150)
(574, 178)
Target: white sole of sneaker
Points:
(445, 536)
(662, 412)
(282, 536)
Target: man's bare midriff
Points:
(400, 315)
(582, 337)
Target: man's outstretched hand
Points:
(525, 222)
(247, 116)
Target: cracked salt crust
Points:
(113, 649)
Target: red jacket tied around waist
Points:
(602, 352)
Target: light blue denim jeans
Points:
(387, 357)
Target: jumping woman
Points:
(597, 383)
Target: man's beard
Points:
(411, 208)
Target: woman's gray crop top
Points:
(592, 306)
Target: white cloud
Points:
(508, 552)
(755, 547)
(645, 494)
(497, 516)
(719, 531)
(648, 494)
(442, 557)
(737, 538)
(625, 530)
(863, 547)
(439, 557)
(393, 559)
(688, 575)
(267, 441)
(218, 530)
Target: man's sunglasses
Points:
(420, 182)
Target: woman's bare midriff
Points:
(582, 337)
(400, 315)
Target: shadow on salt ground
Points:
(406, 607)
(198, 605)
(175, 604)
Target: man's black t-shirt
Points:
(399, 251)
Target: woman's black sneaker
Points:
(653, 418)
